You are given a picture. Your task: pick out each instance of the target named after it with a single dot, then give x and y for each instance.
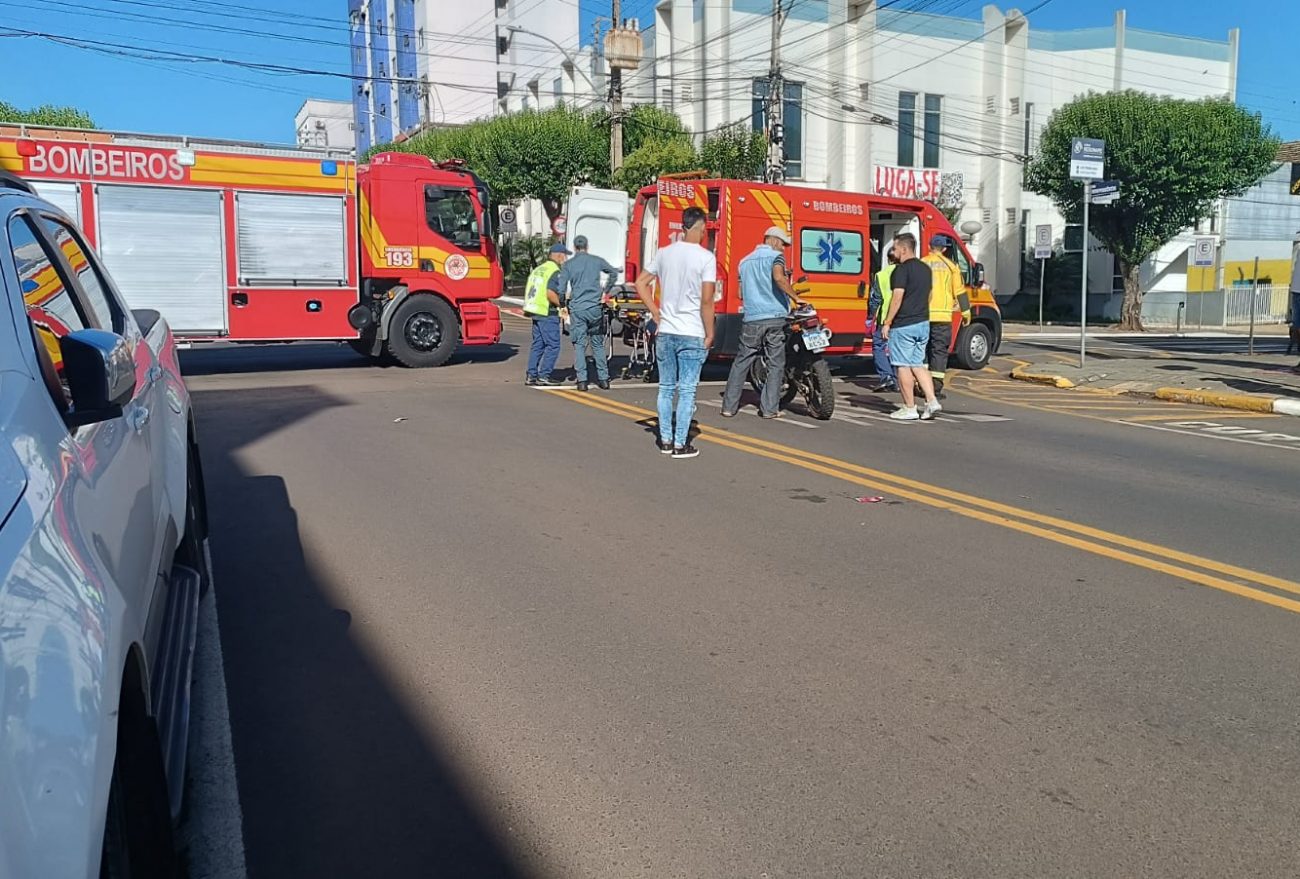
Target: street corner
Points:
(1244, 402)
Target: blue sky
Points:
(221, 101)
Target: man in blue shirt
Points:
(580, 289)
(766, 293)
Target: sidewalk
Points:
(1263, 383)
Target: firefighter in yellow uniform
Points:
(947, 293)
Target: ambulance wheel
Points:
(424, 332)
(974, 347)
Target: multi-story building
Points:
(434, 62)
(322, 123)
(884, 100)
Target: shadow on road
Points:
(335, 777)
(230, 359)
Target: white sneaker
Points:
(905, 414)
(931, 410)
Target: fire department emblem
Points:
(456, 267)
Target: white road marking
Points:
(1213, 430)
(213, 833)
(787, 420)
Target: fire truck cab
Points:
(839, 241)
(243, 242)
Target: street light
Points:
(568, 59)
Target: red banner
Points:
(922, 183)
(69, 160)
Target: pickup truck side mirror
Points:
(100, 373)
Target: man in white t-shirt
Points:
(688, 276)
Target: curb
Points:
(1245, 402)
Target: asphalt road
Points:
(473, 629)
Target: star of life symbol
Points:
(831, 249)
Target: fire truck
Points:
(245, 242)
(839, 240)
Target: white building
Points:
(322, 123)
(897, 101)
(437, 62)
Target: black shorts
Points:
(937, 350)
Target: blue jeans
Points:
(680, 360)
(546, 346)
(583, 328)
(758, 336)
(880, 354)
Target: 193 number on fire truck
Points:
(400, 257)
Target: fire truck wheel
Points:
(974, 347)
(424, 332)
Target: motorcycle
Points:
(806, 370)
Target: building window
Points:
(792, 113)
(830, 251)
(933, 108)
(906, 129)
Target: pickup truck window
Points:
(93, 289)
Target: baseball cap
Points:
(558, 247)
(941, 241)
(580, 242)
(777, 232)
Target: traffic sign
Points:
(1043, 241)
(560, 226)
(1203, 252)
(1105, 192)
(1087, 158)
(509, 220)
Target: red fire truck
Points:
(838, 239)
(246, 242)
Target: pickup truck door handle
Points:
(155, 372)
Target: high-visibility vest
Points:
(947, 284)
(535, 301)
(886, 290)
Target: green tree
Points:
(734, 153)
(653, 158)
(1173, 159)
(47, 114)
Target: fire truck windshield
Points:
(452, 214)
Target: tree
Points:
(47, 114)
(653, 158)
(1173, 159)
(734, 153)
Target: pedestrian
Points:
(766, 293)
(1293, 338)
(907, 330)
(579, 287)
(948, 283)
(687, 273)
(542, 304)
(877, 310)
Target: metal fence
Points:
(1270, 302)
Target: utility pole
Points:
(775, 101)
(616, 102)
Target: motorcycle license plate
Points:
(816, 340)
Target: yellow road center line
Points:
(934, 495)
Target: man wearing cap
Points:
(578, 285)
(766, 294)
(542, 305)
(948, 283)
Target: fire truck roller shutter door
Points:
(64, 196)
(165, 249)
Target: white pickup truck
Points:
(103, 556)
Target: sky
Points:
(165, 94)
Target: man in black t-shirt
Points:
(907, 330)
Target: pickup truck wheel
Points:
(424, 332)
(138, 827)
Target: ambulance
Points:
(838, 239)
(244, 242)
